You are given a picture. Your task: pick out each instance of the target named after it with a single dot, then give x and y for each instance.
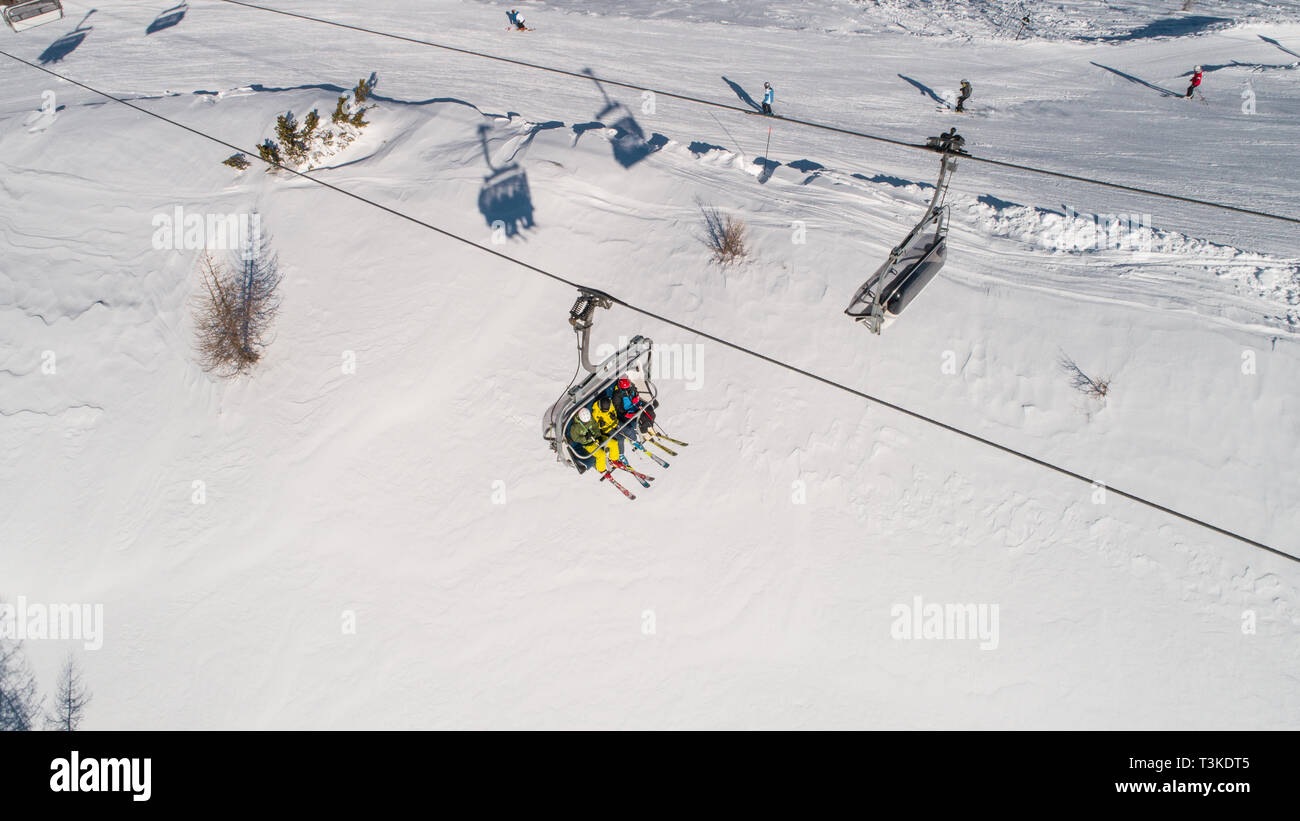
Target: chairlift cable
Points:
(1134, 497)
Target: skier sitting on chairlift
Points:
(585, 432)
(950, 140)
(629, 404)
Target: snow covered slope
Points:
(754, 584)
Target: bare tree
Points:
(70, 698)
(723, 234)
(1082, 382)
(236, 308)
(20, 700)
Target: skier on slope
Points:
(1196, 81)
(769, 97)
(965, 94)
(516, 20)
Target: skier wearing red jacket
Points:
(1196, 81)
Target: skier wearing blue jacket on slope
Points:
(769, 97)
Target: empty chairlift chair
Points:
(915, 261)
(21, 15)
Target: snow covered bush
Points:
(236, 161)
(292, 142)
(304, 147)
(723, 234)
(270, 152)
(236, 309)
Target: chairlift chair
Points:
(912, 264)
(25, 14)
(632, 361)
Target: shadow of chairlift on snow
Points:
(629, 142)
(68, 43)
(915, 261)
(168, 18)
(504, 197)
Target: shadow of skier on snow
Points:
(1166, 92)
(743, 95)
(926, 90)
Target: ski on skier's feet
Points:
(614, 482)
(662, 447)
(640, 477)
(658, 461)
(666, 438)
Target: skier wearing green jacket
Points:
(585, 433)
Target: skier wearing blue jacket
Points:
(769, 97)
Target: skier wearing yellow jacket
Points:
(590, 427)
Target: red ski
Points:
(640, 477)
(614, 482)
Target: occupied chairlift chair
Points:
(632, 361)
(25, 14)
(916, 260)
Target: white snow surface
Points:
(491, 587)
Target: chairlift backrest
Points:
(32, 13)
